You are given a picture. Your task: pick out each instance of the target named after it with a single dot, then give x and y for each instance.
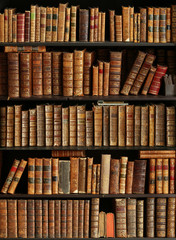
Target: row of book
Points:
(52, 24)
(54, 125)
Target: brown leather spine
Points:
(3, 126)
(73, 23)
(100, 78)
(75, 218)
(31, 175)
(3, 218)
(159, 176)
(81, 125)
(162, 27)
(10, 126)
(88, 61)
(49, 16)
(89, 128)
(83, 24)
(148, 81)
(91, 35)
(2, 27)
(139, 176)
(55, 24)
(157, 154)
(38, 175)
(118, 28)
(47, 176)
(49, 120)
(131, 23)
(106, 67)
(40, 125)
(111, 25)
(67, 24)
(103, 20)
(123, 173)
(69, 218)
(151, 126)
(113, 126)
(126, 23)
(89, 174)
(161, 217)
(65, 127)
(131, 218)
(97, 125)
(137, 125)
(130, 125)
(135, 27)
(143, 14)
(152, 180)
(106, 126)
(6, 18)
(172, 176)
(150, 218)
(94, 178)
(11, 11)
(12, 218)
(82, 175)
(156, 25)
(45, 214)
(37, 22)
(160, 125)
(47, 73)
(78, 72)
(74, 174)
(64, 218)
(105, 173)
(168, 24)
(129, 179)
(171, 218)
(3, 74)
(67, 74)
(96, 11)
(165, 176)
(57, 218)
(61, 22)
(55, 175)
(98, 179)
(170, 126)
(17, 126)
(94, 217)
(150, 24)
(32, 127)
(86, 218)
(114, 176)
(38, 218)
(121, 125)
(31, 218)
(121, 221)
(57, 73)
(81, 219)
(37, 74)
(22, 218)
(140, 218)
(43, 24)
(51, 219)
(144, 125)
(57, 125)
(13, 75)
(95, 81)
(33, 23)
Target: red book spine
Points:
(20, 27)
(27, 26)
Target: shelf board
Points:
(90, 238)
(90, 44)
(92, 98)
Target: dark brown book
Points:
(94, 217)
(83, 24)
(22, 218)
(45, 218)
(98, 178)
(82, 175)
(68, 153)
(31, 218)
(106, 125)
(171, 218)
(58, 218)
(75, 218)
(150, 217)
(12, 218)
(139, 176)
(137, 125)
(47, 176)
(3, 74)
(129, 125)
(159, 125)
(64, 176)
(144, 125)
(143, 30)
(69, 218)
(3, 126)
(86, 218)
(65, 126)
(27, 26)
(47, 73)
(74, 174)
(88, 61)
(81, 125)
(173, 18)
(17, 126)
(38, 218)
(94, 178)
(114, 176)
(64, 218)
(57, 73)
(81, 219)
(161, 217)
(13, 75)
(121, 220)
(170, 126)
(3, 218)
(112, 25)
(37, 74)
(51, 219)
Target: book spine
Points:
(94, 178)
(43, 24)
(132, 23)
(27, 26)
(40, 125)
(86, 217)
(159, 176)
(72, 125)
(151, 125)
(11, 11)
(83, 25)
(37, 74)
(89, 174)
(156, 25)
(150, 25)
(91, 35)
(31, 218)
(69, 218)
(10, 126)
(75, 218)
(6, 18)
(137, 125)
(88, 60)
(105, 173)
(81, 219)
(171, 218)
(47, 73)
(135, 27)
(144, 125)
(129, 179)
(161, 217)
(3, 126)
(105, 125)
(15, 27)
(51, 218)
(103, 20)
(13, 75)
(38, 176)
(78, 73)
(67, 25)
(95, 81)
(139, 173)
(121, 125)
(140, 218)
(3, 75)
(63, 218)
(17, 126)
(38, 218)
(81, 125)
(55, 175)
(148, 80)
(118, 28)
(111, 25)
(106, 68)
(168, 24)
(67, 74)
(160, 125)
(49, 17)
(37, 22)
(55, 24)
(123, 173)
(61, 22)
(114, 176)
(150, 218)
(73, 23)
(49, 131)
(31, 175)
(138, 27)
(89, 128)
(121, 220)
(2, 27)
(143, 20)
(57, 73)
(94, 217)
(170, 126)
(65, 126)
(74, 174)
(45, 214)
(47, 176)
(82, 175)
(57, 125)
(131, 217)
(98, 125)
(33, 22)
(98, 169)
(126, 23)
(22, 218)
(64, 177)
(100, 78)
(165, 176)
(99, 27)
(32, 127)
(172, 176)
(129, 125)
(3, 218)
(152, 176)
(113, 126)
(12, 218)
(162, 27)
(57, 218)
(96, 11)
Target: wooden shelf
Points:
(89, 238)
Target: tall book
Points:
(114, 176)
(106, 125)
(12, 218)
(13, 75)
(81, 125)
(22, 218)
(171, 218)
(82, 175)
(156, 25)
(88, 61)
(61, 22)
(161, 217)
(38, 20)
(73, 23)
(126, 23)
(172, 176)
(144, 125)
(170, 126)
(17, 126)
(31, 218)
(38, 176)
(121, 220)
(150, 217)
(105, 173)
(57, 125)
(112, 25)
(65, 127)
(49, 17)
(3, 75)
(140, 218)
(37, 74)
(137, 125)
(40, 125)
(3, 218)
(64, 176)
(123, 173)
(67, 74)
(20, 27)
(131, 217)
(57, 73)
(89, 128)
(2, 27)
(67, 24)
(139, 176)
(165, 176)
(3, 126)
(38, 218)
(83, 24)
(32, 127)
(129, 179)
(160, 125)
(143, 20)
(33, 23)
(47, 176)
(152, 180)
(45, 218)
(118, 28)
(10, 126)
(129, 125)
(121, 125)
(31, 175)
(43, 24)
(54, 24)
(49, 111)
(94, 217)
(162, 33)
(113, 126)
(159, 176)
(150, 24)
(89, 174)
(78, 72)
(72, 125)
(74, 174)
(47, 73)
(97, 125)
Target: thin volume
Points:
(17, 126)
(40, 125)
(81, 219)
(13, 75)
(6, 18)
(91, 35)
(82, 175)
(150, 217)
(31, 175)
(20, 27)
(14, 28)
(57, 125)
(140, 218)
(32, 127)
(159, 176)
(47, 73)
(33, 23)
(67, 25)
(49, 17)
(65, 126)
(89, 174)
(58, 218)
(3, 126)
(12, 218)
(103, 20)
(111, 25)
(126, 23)
(130, 125)
(151, 126)
(148, 81)
(3, 218)
(64, 218)
(67, 74)
(61, 22)
(160, 125)
(94, 217)
(42, 24)
(165, 176)
(97, 125)
(73, 23)
(74, 174)
(113, 126)
(123, 173)
(55, 175)
(89, 128)
(121, 218)
(143, 30)
(55, 24)
(99, 27)
(22, 218)
(106, 68)
(45, 218)
(75, 218)
(156, 25)
(105, 173)
(72, 125)
(3, 75)
(37, 74)
(131, 217)
(171, 218)
(10, 126)
(51, 218)
(49, 120)
(38, 176)
(137, 125)
(129, 178)
(78, 72)
(118, 28)
(2, 27)
(81, 125)
(150, 25)
(27, 26)
(83, 24)
(162, 32)
(95, 81)
(114, 176)
(121, 125)
(132, 23)
(168, 24)
(106, 125)
(170, 126)
(172, 176)
(86, 218)
(100, 78)
(69, 218)
(38, 218)
(152, 180)
(47, 176)
(144, 125)
(31, 218)
(96, 11)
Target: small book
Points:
(47, 176)
(152, 181)
(140, 218)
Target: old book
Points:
(150, 24)
(82, 175)
(3, 125)
(115, 73)
(81, 125)
(65, 126)
(16, 49)
(132, 23)
(72, 125)
(33, 23)
(161, 217)
(51, 218)
(162, 27)
(38, 218)
(57, 73)
(38, 20)
(152, 181)
(47, 176)
(103, 20)
(67, 24)
(57, 218)
(126, 23)
(3, 74)
(159, 176)
(49, 17)
(94, 178)
(113, 126)
(95, 81)
(139, 176)
(156, 82)
(64, 218)
(98, 179)
(138, 27)
(156, 25)
(112, 25)
(17, 176)
(165, 176)
(2, 27)
(83, 24)
(86, 218)
(64, 176)
(168, 24)
(12, 218)
(3, 218)
(89, 128)
(131, 217)
(37, 74)
(106, 67)
(87, 72)
(43, 24)
(31, 218)
(69, 218)
(61, 22)
(6, 19)
(47, 73)
(140, 218)
(121, 125)
(55, 175)
(15, 29)
(118, 28)
(150, 217)
(89, 174)
(73, 23)
(121, 220)
(27, 26)
(31, 175)
(10, 126)
(172, 176)
(38, 176)
(13, 75)
(173, 27)
(97, 125)
(100, 78)
(105, 173)
(151, 125)
(11, 11)
(92, 20)
(68, 153)
(160, 125)
(123, 173)
(106, 125)
(110, 225)
(49, 125)
(81, 219)
(20, 27)
(74, 174)
(75, 218)
(55, 24)
(94, 217)
(144, 125)
(22, 218)
(171, 218)
(45, 214)
(130, 125)
(170, 126)
(114, 176)
(102, 224)
(137, 125)
(67, 74)
(133, 73)
(143, 30)
(78, 72)
(157, 154)
(96, 11)
(129, 178)
(135, 27)
(10, 176)
(148, 81)
(32, 127)
(40, 125)
(17, 126)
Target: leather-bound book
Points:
(161, 217)
(17, 176)
(172, 176)
(25, 75)
(135, 27)
(123, 173)
(6, 18)
(54, 24)
(156, 25)
(111, 25)
(32, 127)
(168, 24)
(22, 218)
(86, 218)
(115, 73)
(121, 220)
(131, 218)
(78, 72)
(3, 74)
(133, 73)
(20, 27)
(81, 125)
(139, 176)
(2, 27)
(106, 125)
(100, 78)
(51, 218)
(88, 61)
(129, 178)
(114, 176)
(113, 126)
(67, 74)
(3, 126)
(89, 128)
(106, 67)
(91, 34)
(162, 27)
(38, 176)
(82, 175)
(152, 163)
(160, 125)
(49, 17)
(42, 24)
(68, 153)
(97, 125)
(165, 176)
(13, 75)
(171, 218)
(89, 174)
(31, 175)
(83, 24)
(143, 30)
(150, 218)
(156, 82)
(73, 23)
(148, 81)
(72, 125)
(173, 18)
(11, 11)
(67, 24)
(27, 26)
(3, 218)
(98, 179)
(64, 177)
(61, 22)
(94, 217)
(95, 81)
(74, 174)
(138, 125)
(94, 178)
(47, 73)
(12, 218)
(47, 176)
(17, 126)
(157, 154)
(49, 120)
(37, 74)
(159, 176)
(96, 11)
(57, 218)
(140, 218)
(38, 218)
(105, 173)
(150, 24)
(121, 125)
(65, 126)
(81, 219)
(69, 218)
(64, 218)
(132, 23)
(170, 126)
(126, 23)
(129, 125)
(33, 23)
(40, 125)
(144, 125)
(138, 27)
(102, 224)
(55, 175)
(10, 126)
(75, 218)
(10, 176)
(118, 28)
(142, 74)
(45, 214)
(151, 125)
(57, 73)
